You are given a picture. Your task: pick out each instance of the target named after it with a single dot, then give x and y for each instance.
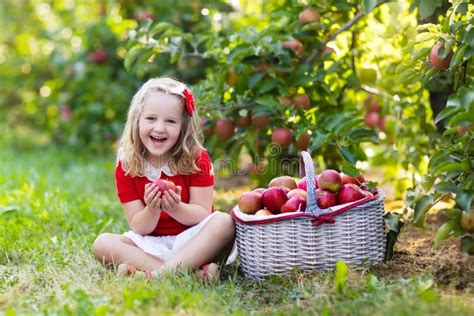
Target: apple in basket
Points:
(259, 190)
(263, 212)
(303, 184)
(348, 179)
(297, 193)
(273, 199)
(294, 204)
(350, 192)
(330, 180)
(250, 202)
(164, 185)
(326, 198)
(283, 181)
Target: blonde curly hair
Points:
(131, 151)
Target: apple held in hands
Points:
(164, 185)
(274, 198)
(250, 202)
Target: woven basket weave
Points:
(312, 240)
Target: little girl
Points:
(171, 228)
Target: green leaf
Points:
(452, 166)
(341, 274)
(446, 112)
(422, 207)
(368, 5)
(349, 169)
(467, 244)
(160, 27)
(347, 154)
(464, 200)
(458, 56)
(268, 85)
(444, 232)
(131, 57)
(428, 7)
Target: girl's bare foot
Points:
(209, 273)
(125, 269)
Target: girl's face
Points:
(160, 124)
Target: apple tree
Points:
(441, 56)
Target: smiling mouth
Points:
(158, 140)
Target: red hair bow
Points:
(189, 101)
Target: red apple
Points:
(295, 45)
(260, 121)
(164, 185)
(309, 15)
(350, 192)
(302, 184)
(303, 141)
(294, 204)
(372, 119)
(98, 57)
(284, 100)
(302, 101)
(250, 202)
(325, 198)
(224, 129)
(283, 181)
(282, 136)
(347, 179)
(330, 180)
(263, 212)
(438, 62)
(297, 193)
(243, 121)
(259, 190)
(273, 199)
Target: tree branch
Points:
(345, 27)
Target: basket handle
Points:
(307, 169)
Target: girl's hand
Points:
(171, 199)
(152, 197)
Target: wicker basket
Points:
(314, 239)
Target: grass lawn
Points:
(53, 203)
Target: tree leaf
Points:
(446, 112)
(428, 7)
(444, 232)
(348, 154)
(422, 207)
(368, 5)
(464, 200)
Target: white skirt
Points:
(164, 247)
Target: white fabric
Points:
(153, 173)
(164, 247)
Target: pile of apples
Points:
(284, 194)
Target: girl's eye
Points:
(171, 121)
(150, 118)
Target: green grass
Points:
(53, 204)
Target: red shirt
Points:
(133, 188)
